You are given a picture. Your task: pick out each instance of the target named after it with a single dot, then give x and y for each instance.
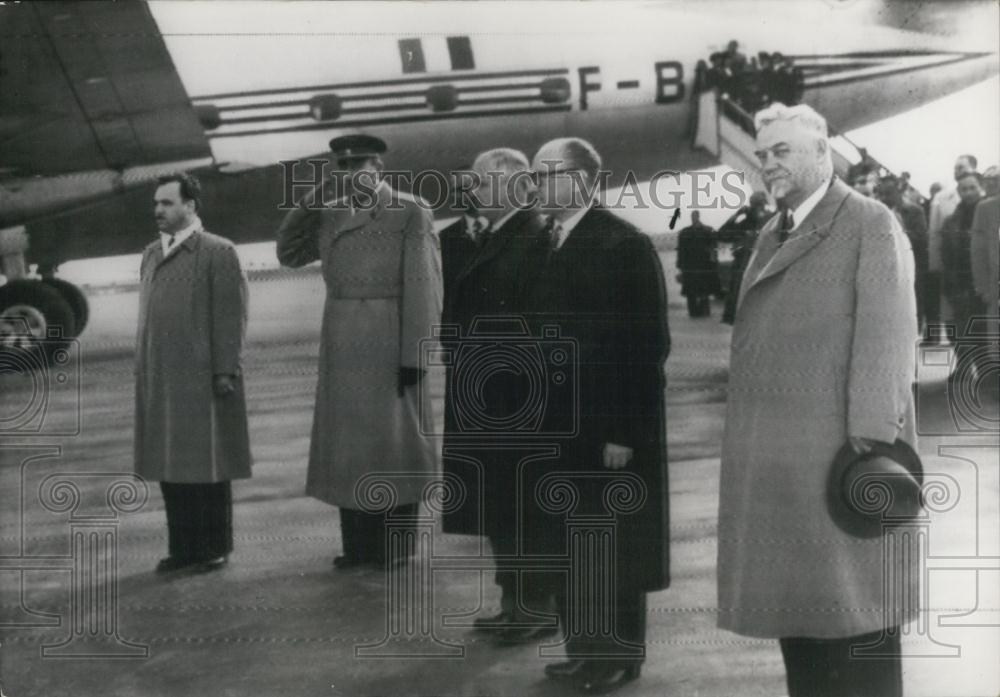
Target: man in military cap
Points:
(370, 455)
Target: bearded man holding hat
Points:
(819, 408)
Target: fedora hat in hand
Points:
(868, 491)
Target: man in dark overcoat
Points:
(914, 223)
(481, 416)
(190, 412)
(698, 262)
(957, 280)
(741, 232)
(461, 240)
(602, 288)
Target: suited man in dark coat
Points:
(741, 232)
(971, 346)
(460, 241)
(481, 404)
(911, 217)
(698, 262)
(603, 288)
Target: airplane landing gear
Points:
(34, 316)
(76, 300)
(38, 316)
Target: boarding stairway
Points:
(726, 130)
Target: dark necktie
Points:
(483, 232)
(786, 225)
(551, 235)
(170, 242)
(554, 232)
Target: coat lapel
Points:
(496, 244)
(582, 237)
(156, 254)
(189, 245)
(771, 258)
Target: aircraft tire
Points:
(37, 325)
(77, 302)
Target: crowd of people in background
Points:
(865, 174)
(954, 233)
(963, 250)
(752, 83)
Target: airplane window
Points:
(460, 50)
(412, 53)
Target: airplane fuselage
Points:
(282, 80)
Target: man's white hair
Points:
(802, 114)
(507, 160)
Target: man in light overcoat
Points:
(190, 412)
(823, 354)
(370, 455)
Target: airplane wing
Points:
(89, 86)
(952, 18)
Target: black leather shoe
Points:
(344, 562)
(567, 670)
(600, 678)
(514, 636)
(213, 564)
(168, 564)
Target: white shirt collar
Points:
(806, 207)
(565, 227)
(472, 221)
(179, 236)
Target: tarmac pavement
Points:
(278, 620)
